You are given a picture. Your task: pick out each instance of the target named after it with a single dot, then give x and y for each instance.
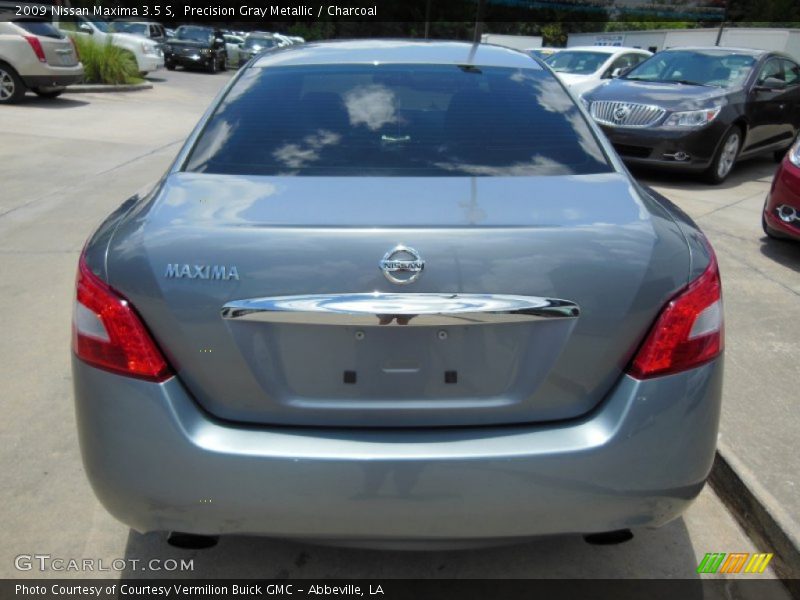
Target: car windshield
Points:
(103, 26)
(708, 67)
(136, 28)
(194, 34)
(259, 42)
(397, 120)
(580, 62)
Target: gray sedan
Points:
(397, 293)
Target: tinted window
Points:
(791, 72)
(41, 28)
(771, 70)
(397, 120)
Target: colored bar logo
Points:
(719, 562)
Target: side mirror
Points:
(620, 71)
(770, 84)
(85, 28)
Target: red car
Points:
(781, 218)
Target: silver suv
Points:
(35, 56)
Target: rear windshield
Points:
(41, 28)
(401, 120)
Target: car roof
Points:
(609, 49)
(397, 52)
(750, 51)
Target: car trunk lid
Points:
(266, 294)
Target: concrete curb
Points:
(99, 88)
(762, 517)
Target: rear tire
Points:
(725, 157)
(170, 66)
(12, 89)
(224, 66)
(212, 66)
(49, 94)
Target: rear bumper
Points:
(654, 147)
(157, 462)
(56, 78)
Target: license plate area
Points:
(319, 364)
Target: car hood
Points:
(570, 79)
(187, 44)
(131, 37)
(672, 96)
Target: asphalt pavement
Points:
(66, 163)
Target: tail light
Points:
(107, 333)
(37, 47)
(75, 47)
(688, 332)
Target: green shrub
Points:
(105, 63)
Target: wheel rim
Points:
(6, 85)
(728, 155)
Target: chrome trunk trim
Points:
(374, 309)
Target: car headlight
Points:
(794, 153)
(205, 51)
(691, 118)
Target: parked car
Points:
(150, 29)
(35, 56)
(781, 216)
(148, 54)
(583, 68)
(701, 109)
(255, 43)
(417, 299)
(233, 46)
(196, 46)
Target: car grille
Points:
(626, 114)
